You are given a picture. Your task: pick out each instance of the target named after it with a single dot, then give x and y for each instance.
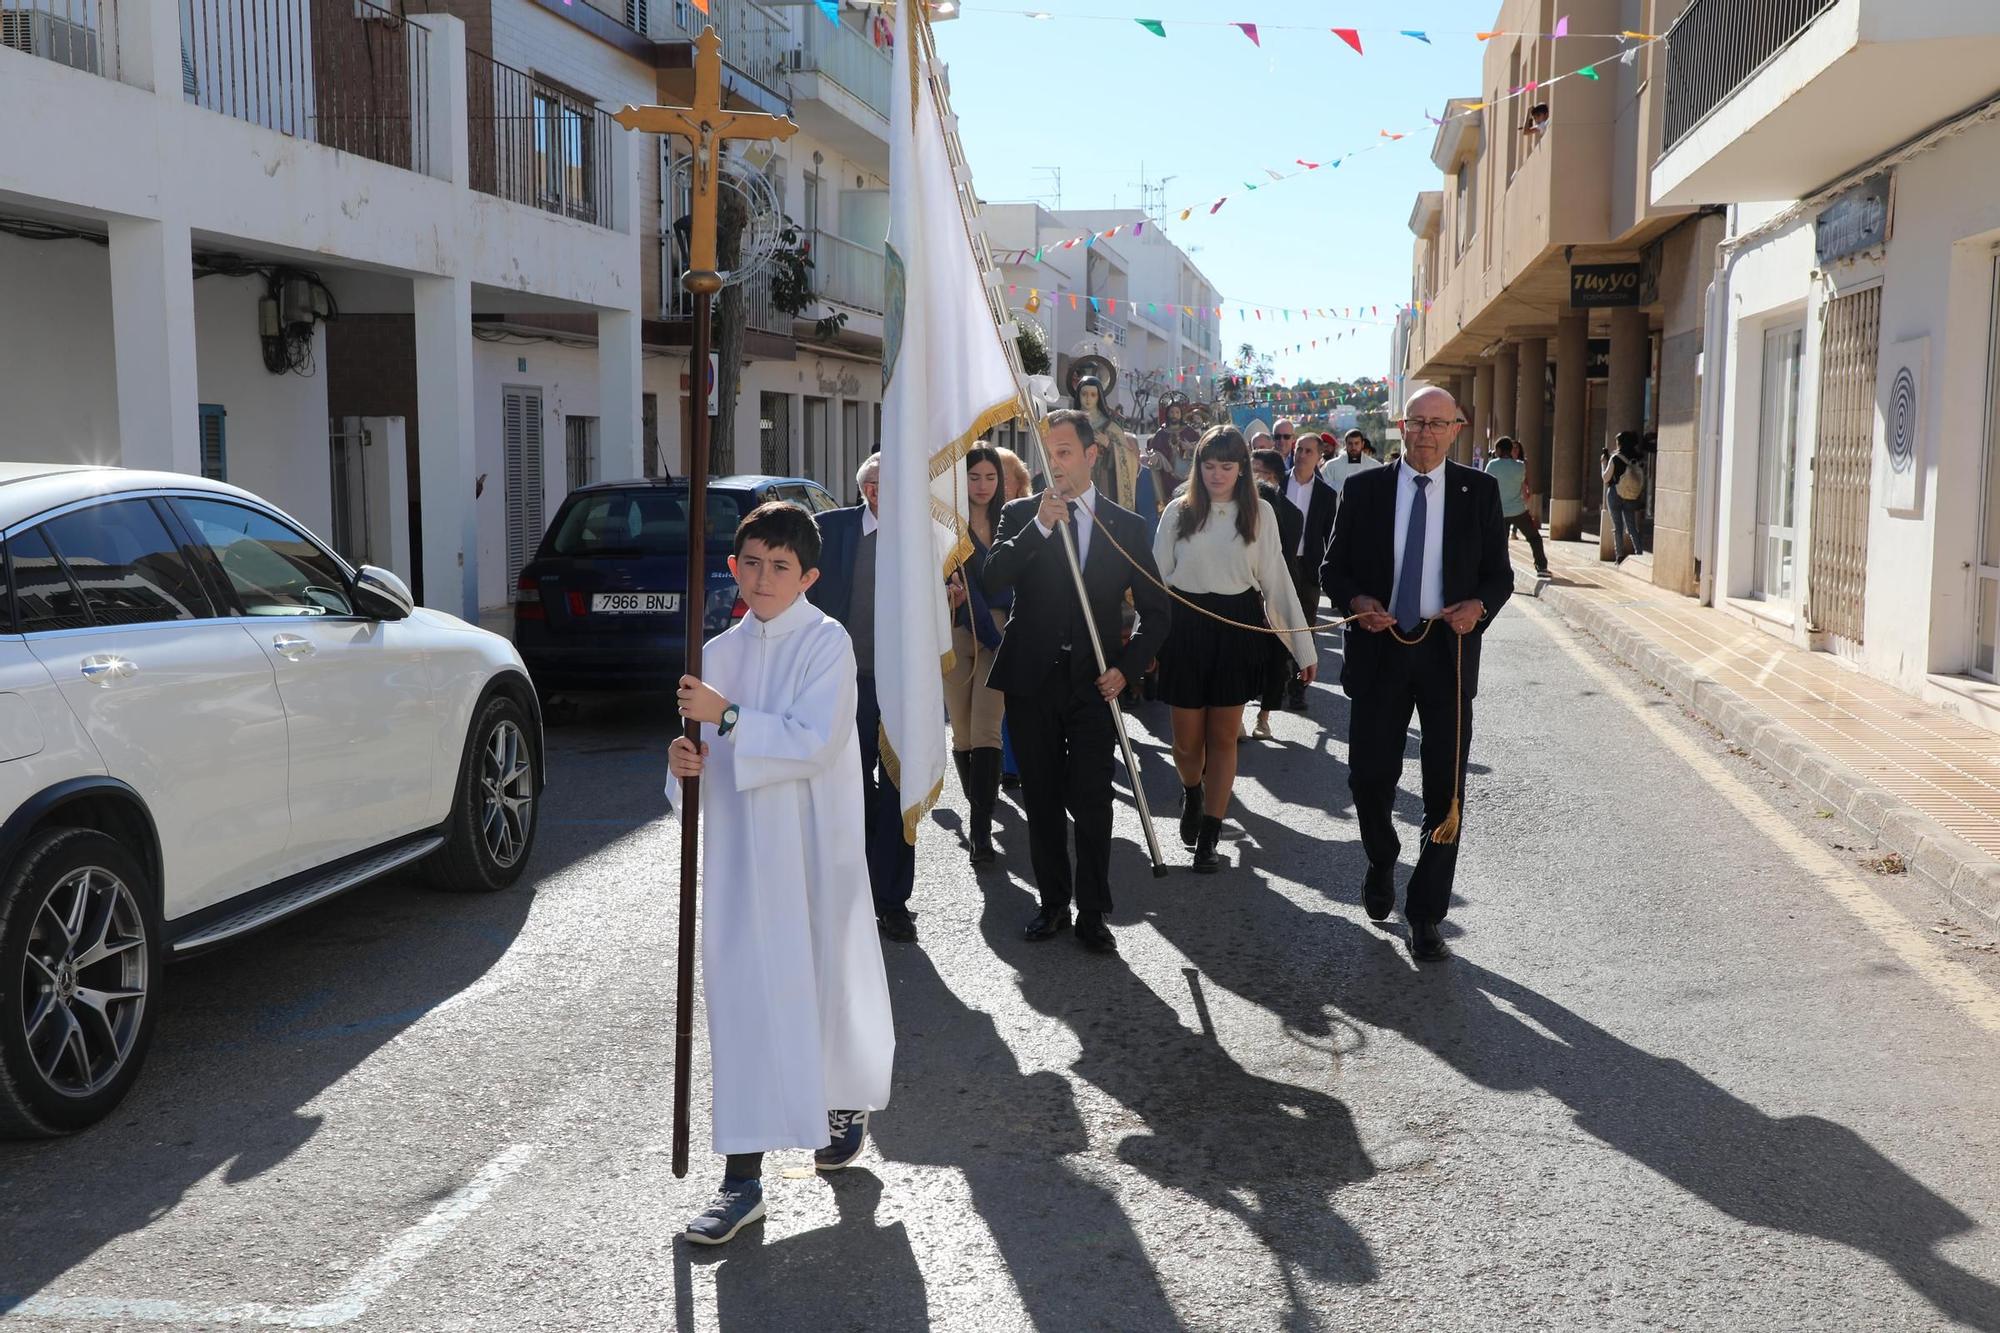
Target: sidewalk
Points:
(1924, 783)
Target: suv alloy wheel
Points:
(80, 965)
(493, 815)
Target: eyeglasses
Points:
(1284, 437)
(1435, 425)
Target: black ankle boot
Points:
(1206, 862)
(983, 792)
(1190, 814)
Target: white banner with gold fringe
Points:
(945, 382)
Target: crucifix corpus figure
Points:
(708, 128)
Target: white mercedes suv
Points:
(208, 721)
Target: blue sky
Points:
(1206, 107)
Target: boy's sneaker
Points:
(846, 1133)
(737, 1204)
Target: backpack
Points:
(1632, 482)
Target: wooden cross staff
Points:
(707, 127)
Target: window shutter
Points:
(522, 427)
(214, 447)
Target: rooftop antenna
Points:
(1057, 173)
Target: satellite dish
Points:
(1042, 389)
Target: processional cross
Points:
(708, 128)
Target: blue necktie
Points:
(1410, 584)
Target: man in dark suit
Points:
(1058, 705)
(845, 590)
(1306, 551)
(1419, 553)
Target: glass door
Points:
(1777, 464)
(1986, 587)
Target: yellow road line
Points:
(1846, 885)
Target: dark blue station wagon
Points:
(599, 607)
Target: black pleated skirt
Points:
(1207, 664)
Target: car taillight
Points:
(579, 605)
(740, 610)
(528, 600)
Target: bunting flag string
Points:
(1369, 315)
(1352, 36)
(1383, 139)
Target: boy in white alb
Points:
(799, 1029)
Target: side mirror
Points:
(381, 595)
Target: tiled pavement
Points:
(1925, 783)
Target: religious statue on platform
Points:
(1117, 472)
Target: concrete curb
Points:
(1970, 876)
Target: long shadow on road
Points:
(251, 1036)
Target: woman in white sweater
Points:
(1218, 549)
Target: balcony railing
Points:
(850, 274)
(82, 34)
(1719, 45)
(1105, 327)
(677, 303)
(846, 56)
(533, 144)
(753, 40)
(343, 73)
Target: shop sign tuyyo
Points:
(1604, 286)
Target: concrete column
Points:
(1531, 417)
(446, 144)
(1506, 383)
(621, 442)
(1482, 408)
(445, 466)
(1625, 408)
(1566, 455)
(148, 37)
(152, 345)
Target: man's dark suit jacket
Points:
(1290, 521)
(1319, 520)
(1045, 611)
(1361, 561)
(839, 546)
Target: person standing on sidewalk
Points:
(1510, 472)
(1625, 493)
(846, 592)
(1419, 557)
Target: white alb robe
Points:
(798, 1003)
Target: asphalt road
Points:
(1694, 1065)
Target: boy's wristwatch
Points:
(728, 723)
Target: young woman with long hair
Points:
(1218, 548)
(977, 619)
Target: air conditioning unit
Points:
(49, 36)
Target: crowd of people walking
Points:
(1211, 604)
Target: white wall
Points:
(60, 400)
(535, 41)
(60, 389)
(1937, 278)
(276, 427)
(568, 381)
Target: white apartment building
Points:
(1849, 495)
(402, 274)
(1154, 317)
